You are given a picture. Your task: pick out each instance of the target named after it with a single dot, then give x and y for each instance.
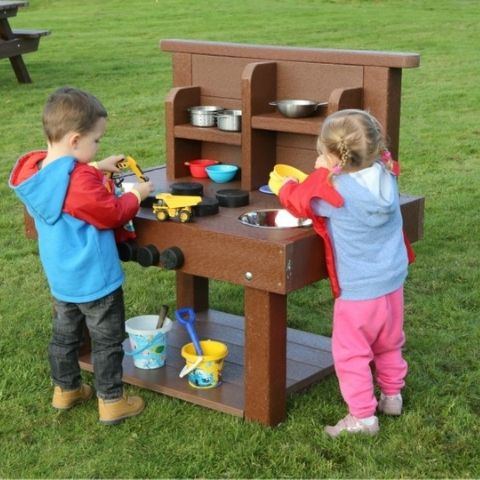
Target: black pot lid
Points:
(233, 197)
(208, 206)
(187, 188)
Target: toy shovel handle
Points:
(194, 337)
(186, 317)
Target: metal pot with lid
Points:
(204, 115)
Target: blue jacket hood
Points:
(44, 192)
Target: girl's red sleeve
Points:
(296, 197)
(90, 198)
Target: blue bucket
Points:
(149, 344)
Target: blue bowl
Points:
(221, 173)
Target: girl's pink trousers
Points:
(366, 331)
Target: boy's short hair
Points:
(69, 109)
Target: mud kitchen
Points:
(266, 360)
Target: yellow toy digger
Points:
(172, 206)
(130, 163)
(127, 163)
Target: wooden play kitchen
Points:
(266, 360)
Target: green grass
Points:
(111, 48)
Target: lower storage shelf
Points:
(309, 360)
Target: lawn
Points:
(110, 48)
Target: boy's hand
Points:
(109, 164)
(144, 189)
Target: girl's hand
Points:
(288, 179)
(109, 164)
(144, 189)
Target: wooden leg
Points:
(192, 291)
(20, 69)
(265, 356)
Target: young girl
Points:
(353, 200)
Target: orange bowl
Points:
(197, 167)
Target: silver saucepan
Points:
(230, 120)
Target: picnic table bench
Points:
(15, 42)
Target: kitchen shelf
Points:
(258, 147)
(207, 134)
(276, 122)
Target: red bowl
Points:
(197, 167)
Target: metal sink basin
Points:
(273, 218)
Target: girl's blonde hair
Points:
(70, 110)
(354, 136)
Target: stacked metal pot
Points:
(212, 115)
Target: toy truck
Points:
(172, 206)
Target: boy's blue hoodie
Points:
(80, 260)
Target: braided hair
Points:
(354, 136)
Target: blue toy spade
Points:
(186, 317)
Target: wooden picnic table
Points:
(15, 42)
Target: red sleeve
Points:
(296, 197)
(89, 199)
(291, 198)
(410, 252)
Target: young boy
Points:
(75, 213)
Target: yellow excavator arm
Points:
(131, 164)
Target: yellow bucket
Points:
(204, 371)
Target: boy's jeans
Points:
(105, 320)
